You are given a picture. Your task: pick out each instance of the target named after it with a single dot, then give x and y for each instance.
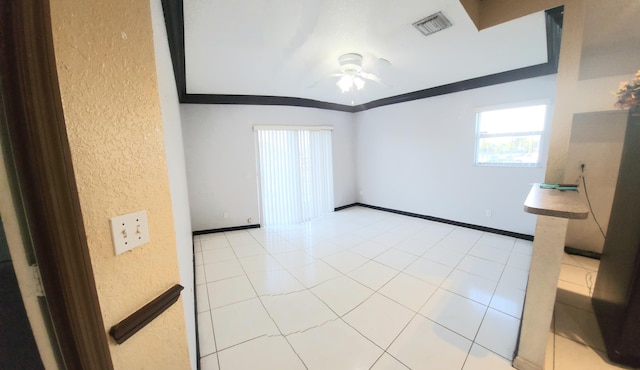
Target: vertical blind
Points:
(296, 173)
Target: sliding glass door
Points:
(296, 173)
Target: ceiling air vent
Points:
(432, 24)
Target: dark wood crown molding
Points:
(174, 21)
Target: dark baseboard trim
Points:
(345, 207)
(174, 21)
(224, 229)
(445, 221)
(583, 253)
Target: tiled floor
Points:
(364, 289)
(574, 339)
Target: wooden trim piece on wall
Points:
(123, 330)
(38, 143)
(174, 21)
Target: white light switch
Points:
(129, 231)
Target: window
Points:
(296, 173)
(510, 137)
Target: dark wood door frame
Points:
(38, 143)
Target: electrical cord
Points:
(586, 193)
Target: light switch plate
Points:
(129, 231)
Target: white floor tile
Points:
(260, 263)
(379, 319)
(334, 345)
(369, 249)
(241, 322)
(342, 294)
(429, 271)
(215, 241)
(302, 295)
(229, 291)
(481, 267)
(503, 242)
(274, 282)
(298, 311)
(345, 261)
(265, 353)
(206, 339)
(454, 312)
(416, 247)
(523, 247)
(520, 261)
(218, 255)
(202, 298)
(373, 274)
(209, 362)
(444, 256)
(199, 275)
(247, 250)
(481, 358)
(508, 300)
(470, 286)
(575, 274)
(425, 344)
(570, 355)
(223, 270)
(396, 259)
(490, 253)
(591, 264)
(499, 333)
(294, 259)
(514, 278)
(578, 325)
(409, 291)
(387, 362)
(574, 295)
(314, 274)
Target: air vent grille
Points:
(432, 24)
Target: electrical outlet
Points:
(129, 231)
(488, 212)
(225, 215)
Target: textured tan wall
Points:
(106, 67)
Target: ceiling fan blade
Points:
(374, 78)
(325, 78)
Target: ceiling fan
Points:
(351, 73)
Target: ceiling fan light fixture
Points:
(432, 24)
(345, 83)
(358, 82)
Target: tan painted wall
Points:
(106, 67)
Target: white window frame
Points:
(543, 134)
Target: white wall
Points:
(418, 157)
(220, 153)
(174, 149)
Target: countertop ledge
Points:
(555, 203)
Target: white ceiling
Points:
(282, 47)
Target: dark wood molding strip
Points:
(174, 20)
(449, 222)
(37, 143)
(224, 229)
(263, 100)
(123, 330)
(346, 206)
